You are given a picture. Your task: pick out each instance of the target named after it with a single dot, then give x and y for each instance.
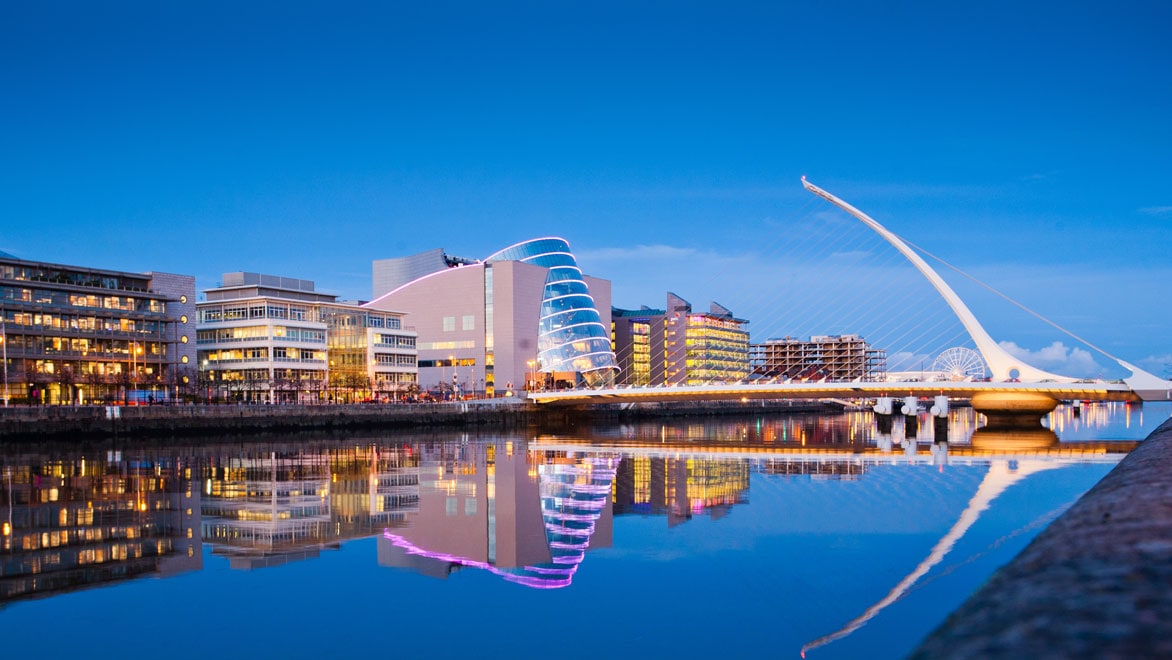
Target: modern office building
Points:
(524, 317)
(822, 357)
(266, 338)
(676, 345)
(73, 334)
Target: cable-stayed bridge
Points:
(1014, 389)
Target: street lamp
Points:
(135, 349)
(531, 376)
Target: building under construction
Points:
(821, 358)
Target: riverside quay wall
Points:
(32, 423)
(1096, 583)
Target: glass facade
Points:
(717, 349)
(284, 345)
(571, 336)
(74, 335)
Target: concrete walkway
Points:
(1096, 583)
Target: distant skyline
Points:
(1026, 143)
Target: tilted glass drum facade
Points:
(571, 336)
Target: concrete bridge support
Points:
(1013, 410)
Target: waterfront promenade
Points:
(1093, 584)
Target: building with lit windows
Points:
(72, 334)
(266, 338)
(631, 337)
(521, 318)
(822, 357)
(677, 346)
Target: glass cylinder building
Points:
(571, 336)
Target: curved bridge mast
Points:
(1000, 362)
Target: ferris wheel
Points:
(959, 363)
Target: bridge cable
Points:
(1013, 302)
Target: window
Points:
(469, 322)
(449, 323)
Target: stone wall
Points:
(1096, 583)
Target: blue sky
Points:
(1027, 143)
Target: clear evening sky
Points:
(1027, 143)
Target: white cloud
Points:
(1058, 358)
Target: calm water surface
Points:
(756, 536)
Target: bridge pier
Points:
(940, 429)
(1013, 410)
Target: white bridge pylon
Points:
(1002, 365)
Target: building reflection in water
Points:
(526, 511)
(267, 507)
(679, 488)
(528, 517)
(72, 523)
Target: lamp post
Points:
(530, 376)
(134, 349)
(451, 362)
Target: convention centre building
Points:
(523, 318)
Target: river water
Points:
(762, 535)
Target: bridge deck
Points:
(1083, 391)
(958, 453)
